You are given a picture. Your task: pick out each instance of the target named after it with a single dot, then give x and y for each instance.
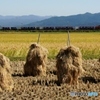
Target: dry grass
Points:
(6, 82)
(16, 44)
(36, 60)
(69, 65)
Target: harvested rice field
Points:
(15, 46)
(47, 88)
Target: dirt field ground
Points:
(47, 88)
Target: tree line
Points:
(50, 28)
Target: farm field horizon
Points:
(15, 45)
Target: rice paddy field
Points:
(15, 45)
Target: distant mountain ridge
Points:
(14, 21)
(86, 19)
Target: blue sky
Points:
(48, 7)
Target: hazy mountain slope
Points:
(8, 21)
(86, 19)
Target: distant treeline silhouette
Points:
(50, 28)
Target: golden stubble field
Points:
(15, 45)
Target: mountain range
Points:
(17, 21)
(87, 19)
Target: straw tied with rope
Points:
(69, 64)
(36, 60)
